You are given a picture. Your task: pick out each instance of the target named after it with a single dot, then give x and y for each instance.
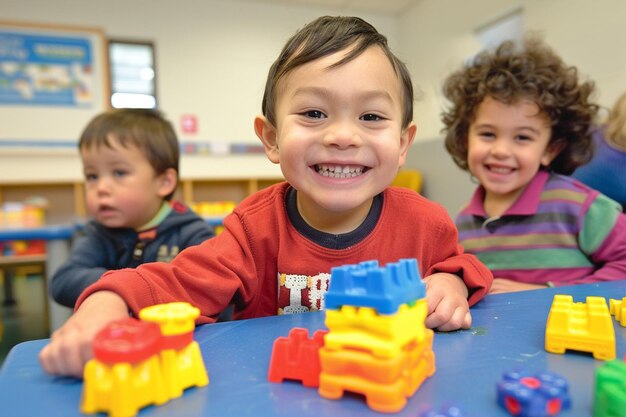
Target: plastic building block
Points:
(381, 288)
(586, 327)
(125, 374)
(617, 308)
(382, 335)
(449, 411)
(297, 357)
(610, 391)
(385, 382)
(181, 359)
(533, 395)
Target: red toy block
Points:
(127, 340)
(297, 357)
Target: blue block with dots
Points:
(367, 284)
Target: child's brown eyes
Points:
(371, 117)
(314, 114)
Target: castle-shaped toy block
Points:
(386, 382)
(382, 335)
(541, 394)
(610, 391)
(377, 343)
(181, 359)
(297, 357)
(586, 327)
(368, 285)
(617, 308)
(125, 373)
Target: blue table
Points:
(507, 333)
(58, 242)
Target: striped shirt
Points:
(558, 230)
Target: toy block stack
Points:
(377, 344)
(586, 327)
(143, 362)
(125, 374)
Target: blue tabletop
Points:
(508, 333)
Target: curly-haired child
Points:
(519, 122)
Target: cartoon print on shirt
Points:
(301, 293)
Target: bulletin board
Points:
(53, 80)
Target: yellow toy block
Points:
(618, 309)
(382, 335)
(181, 359)
(122, 389)
(584, 327)
(125, 373)
(173, 318)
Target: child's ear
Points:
(406, 140)
(167, 182)
(267, 133)
(552, 151)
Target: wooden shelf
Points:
(67, 199)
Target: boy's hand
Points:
(446, 295)
(501, 285)
(70, 346)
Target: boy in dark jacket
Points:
(130, 161)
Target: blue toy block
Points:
(369, 285)
(540, 394)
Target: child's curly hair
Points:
(534, 72)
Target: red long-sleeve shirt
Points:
(264, 266)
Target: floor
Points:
(26, 318)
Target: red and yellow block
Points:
(143, 362)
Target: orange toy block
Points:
(296, 357)
(585, 327)
(386, 382)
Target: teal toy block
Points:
(369, 285)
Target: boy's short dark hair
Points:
(509, 74)
(146, 129)
(325, 36)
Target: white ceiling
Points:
(383, 7)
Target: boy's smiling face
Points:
(338, 136)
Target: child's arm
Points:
(448, 308)
(70, 346)
(603, 239)
(501, 285)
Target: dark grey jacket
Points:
(97, 249)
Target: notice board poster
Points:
(53, 80)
